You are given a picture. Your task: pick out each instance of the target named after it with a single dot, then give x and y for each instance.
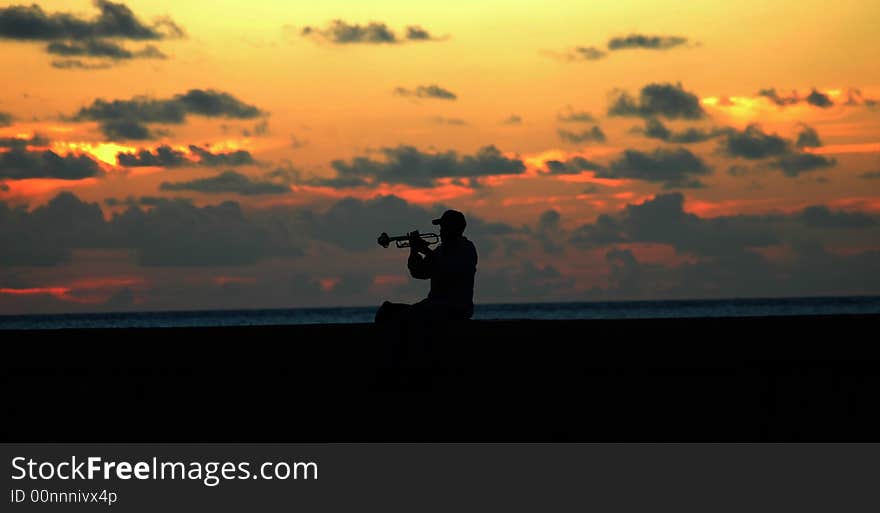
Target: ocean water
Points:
(547, 311)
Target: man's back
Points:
(451, 268)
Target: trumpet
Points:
(402, 241)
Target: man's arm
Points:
(420, 267)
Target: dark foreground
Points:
(748, 379)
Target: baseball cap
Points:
(452, 219)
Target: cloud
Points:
(675, 168)
(103, 49)
(5, 118)
(127, 129)
(871, 175)
(663, 220)
(45, 235)
(19, 164)
(655, 129)
(231, 158)
(126, 119)
(571, 116)
(72, 36)
(854, 97)
(808, 138)
(512, 120)
(548, 231)
(793, 164)
(23, 143)
(166, 156)
(820, 216)
(575, 165)
(819, 99)
(645, 42)
(629, 42)
(428, 91)
(78, 64)
(664, 100)
(753, 144)
(587, 53)
(228, 182)
(341, 33)
(778, 99)
(816, 98)
(410, 166)
(4, 187)
(593, 134)
(116, 20)
(527, 281)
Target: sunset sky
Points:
(229, 154)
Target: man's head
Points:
(452, 225)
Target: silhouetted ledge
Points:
(724, 379)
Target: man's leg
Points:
(388, 311)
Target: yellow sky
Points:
(501, 59)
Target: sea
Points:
(544, 311)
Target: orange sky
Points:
(513, 69)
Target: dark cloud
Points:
(126, 119)
(527, 281)
(116, 20)
(6, 119)
(871, 175)
(548, 232)
(574, 165)
(808, 138)
(820, 216)
(340, 32)
(72, 36)
(593, 134)
(752, 143)
(658, 100)
(819, 99)
(587, 53)
(675, 168)
(655, 129)
(4, 187)
(231, 158)
(18, 164)
(127, 129)
(417, 33)
(571, 116)
(815, 98)
(23, 143)
(166, 156)
(646, 42)
(45, 235)
(793, 164)
(663, 220)
(228, 182)
(408, 165)
(512, 120)
(778, 99)
(855, 97)
(428, 91)
(78, 64)
(102, 49)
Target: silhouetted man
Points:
(451, 268)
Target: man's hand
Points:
(418, 244)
